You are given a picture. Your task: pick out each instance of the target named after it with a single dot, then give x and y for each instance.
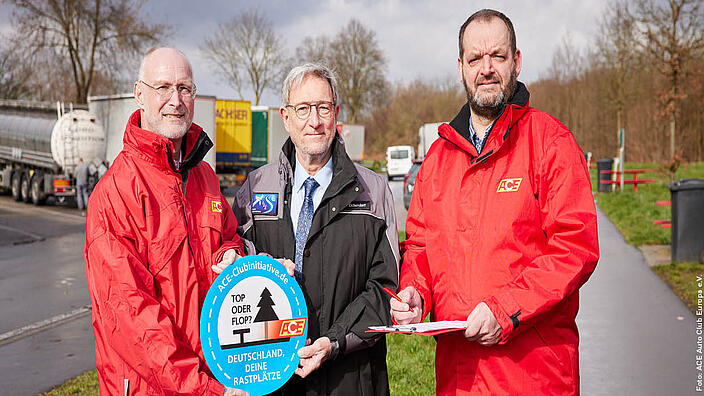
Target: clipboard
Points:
(426, 328)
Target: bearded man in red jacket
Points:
(157, 232)
(501, 232)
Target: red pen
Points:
(394, 295)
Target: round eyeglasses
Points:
(324, 109)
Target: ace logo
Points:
(509, 185)
(292, 327)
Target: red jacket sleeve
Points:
(568, 217)
(140, 331)
(414, 260)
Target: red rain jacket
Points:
(151, 236)
(514, 227)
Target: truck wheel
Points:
(15, 184)
(38, 197)
(24, 187)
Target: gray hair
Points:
(142, 64)
(296, 75)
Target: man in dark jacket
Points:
(336, 220)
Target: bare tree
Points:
(96, 36)
(246, 52)
(358, 62)
(674, 31)
(617, 55)
(313, 49)
(13, 76)
(360, 66)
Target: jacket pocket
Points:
(556, 352)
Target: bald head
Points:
(167, 54)
(164, 93)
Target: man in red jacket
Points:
(157, 230)
(501, 232)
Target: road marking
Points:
(37, 327)
(32, 209)
(29, 234)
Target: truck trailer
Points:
(113, 112)
(353, 136)
(427, 134)
(40, 146)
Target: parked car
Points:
(408, 182)
(398, 160)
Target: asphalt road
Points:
(45, 332)
(397, 191)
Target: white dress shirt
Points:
(298, 193)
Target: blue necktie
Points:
(304, 220)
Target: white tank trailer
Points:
(40, 150)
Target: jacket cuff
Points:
(506, 311)
(425, 295)
(341, 342)
(217, 256)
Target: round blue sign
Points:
(254, 321)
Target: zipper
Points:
(182, 184)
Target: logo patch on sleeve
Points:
(509, 185)
(359, 205)
(216, 206)
(265, 204)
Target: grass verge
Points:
(683, 278)
(85, 384)
(633, 214)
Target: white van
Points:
(399, 160)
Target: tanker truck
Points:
(40, 147)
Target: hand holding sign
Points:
(228, 258)
(234, 392)
(253, 322)
(312, 356)
(288, 264)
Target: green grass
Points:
(633, 214)
(376, 166)
(85, 384)
(411, 364)
(410, 360)
(682, 278)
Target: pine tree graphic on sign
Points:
(266, 312)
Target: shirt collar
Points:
(323, 177)
(473, 134)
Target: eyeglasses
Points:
(324, 109)
(165, 91)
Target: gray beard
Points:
(493, 109)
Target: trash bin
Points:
(604, 164)
(687, 220)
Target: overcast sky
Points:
(418, 38)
